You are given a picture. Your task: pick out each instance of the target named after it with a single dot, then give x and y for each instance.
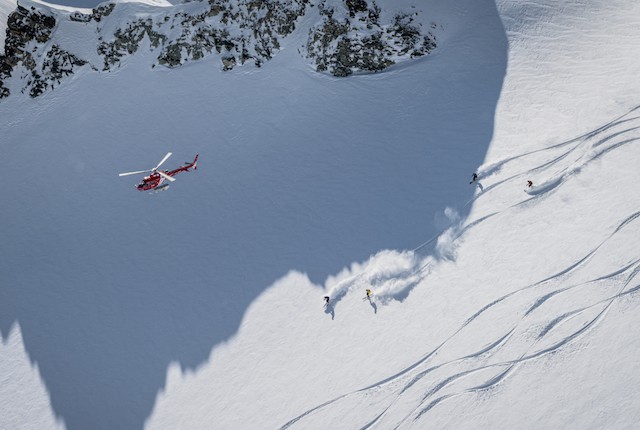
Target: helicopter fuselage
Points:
(150, 182)
(157, 177)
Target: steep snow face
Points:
(6, 7)
(529, 321)
(574, 63)
(298, 171)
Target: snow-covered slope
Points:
(6, 7)
(201, 307)
(526, 329)
(25, 401)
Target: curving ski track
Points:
(551, 311)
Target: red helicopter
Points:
(157, 177)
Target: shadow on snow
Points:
(110, 286)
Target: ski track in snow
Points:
(587, 143)
(583, 150)
(552, 312)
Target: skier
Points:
(474, 178)
(326, 300)
(368, 293)
(529, 184)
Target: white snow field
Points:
(6, 7)
(494, 305)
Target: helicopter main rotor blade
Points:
(163, 160)
(134, 173)
(164, 175)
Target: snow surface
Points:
(25, 401)
(494, 306)
(6, 7)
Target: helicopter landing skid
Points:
(160, 188)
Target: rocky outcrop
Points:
(27, 30)
(258, 25)
(57, 64)
(23, 27)
(128, 40)
(96, 14)
(360, 42)
(351, 37)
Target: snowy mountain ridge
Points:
(45, 44)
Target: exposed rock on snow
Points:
(127, 41)
(360, 42)
(96, 14)
(350, 38)
(23, 27)
(57, 64)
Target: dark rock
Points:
(102, 11)
(23, 26)
(171, 56)
(80, 17)
(228, 63)
(342, 48)
(356, 6)
(127, 41)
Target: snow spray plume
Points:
(445, 246)
(389, 274)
